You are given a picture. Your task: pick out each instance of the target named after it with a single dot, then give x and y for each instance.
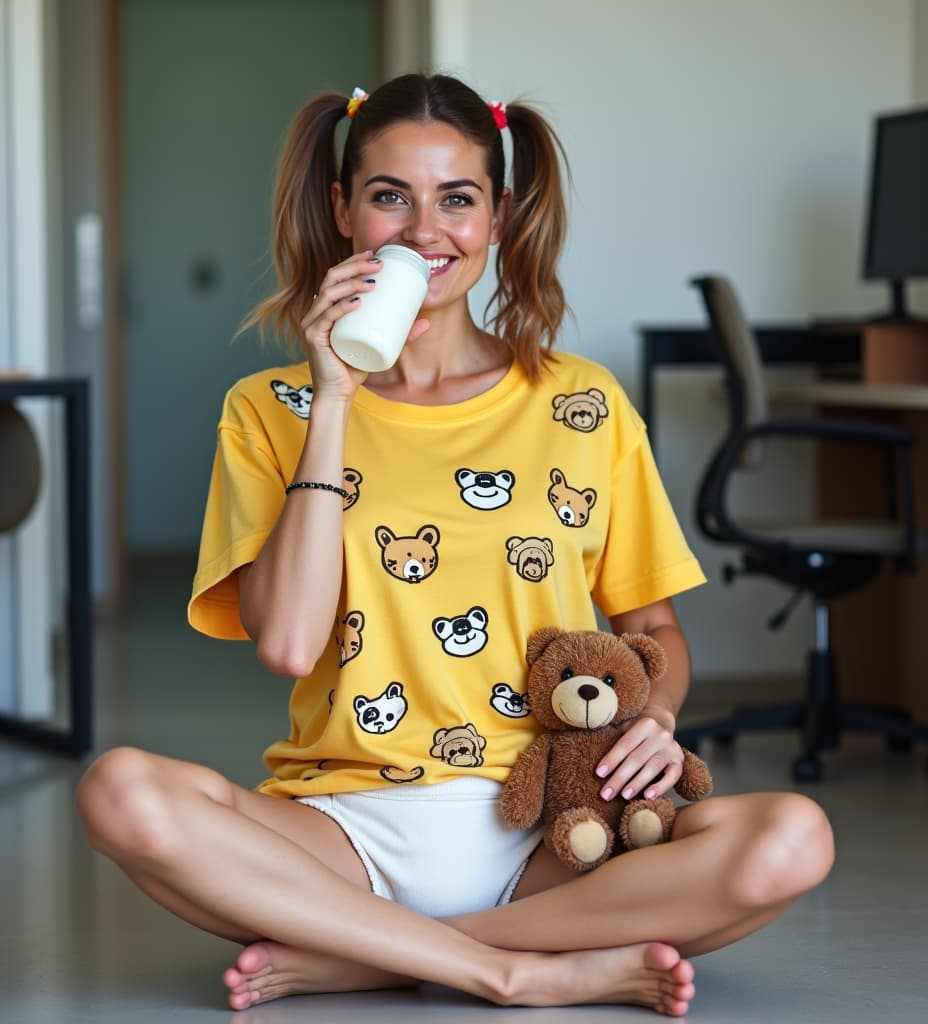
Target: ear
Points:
(650, 652)
(501, 216)
(539, 642)
(340, 208)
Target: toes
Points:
(254, 958)
(683, 972)
(675, 1007)
(661, 957)
(232, 978)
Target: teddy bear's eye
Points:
(609, 680)
(568, 673)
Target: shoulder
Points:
(255, 401)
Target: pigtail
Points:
(530, 303)
(306, 242)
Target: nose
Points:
(588, 692)
(422, 227)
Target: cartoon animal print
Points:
(297, 401)
(532, 557)
(393, 774)
(572, 506)
(412, 559)
(348, 636)
(464, 634)
(485, 490)
(351, 481)
(505, 700)
(383, 713)
(583, 410)
(461, 746)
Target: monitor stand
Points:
(898, 313)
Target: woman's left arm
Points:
(647, 760)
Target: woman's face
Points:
(424, 186)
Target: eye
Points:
(609, 680)
(388, 197)
(568, 673)
(459, 200)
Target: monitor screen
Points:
(897, 230)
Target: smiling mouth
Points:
(440, 264)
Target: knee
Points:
(123, 805)
(790, 850)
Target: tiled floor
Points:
(78, 945)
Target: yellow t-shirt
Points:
(468, 527)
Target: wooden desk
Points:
(880, 632)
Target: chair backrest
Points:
(740, 356)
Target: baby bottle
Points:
(371, 336)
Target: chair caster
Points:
(807, 768)
(899, 744)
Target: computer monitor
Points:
(896, 246)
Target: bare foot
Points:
(269, 970)
(649, 974)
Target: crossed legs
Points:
(250, 867)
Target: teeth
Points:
(443, 261)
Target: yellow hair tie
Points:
(357, 98)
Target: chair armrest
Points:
(834, 430)
(712, 505)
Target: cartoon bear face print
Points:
(532, 556)
(351, 481)
(296, 400)
(485, 491)
(583, 410)
(412, 559)
(505, 700)
(348, 636)
(461, 746)
(383, 713)
(572, 506)
(464, 634)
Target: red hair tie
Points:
(498, 110)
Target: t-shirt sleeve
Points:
(246, 493)
(646, 556)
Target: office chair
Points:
(820, 558)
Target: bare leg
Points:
(236, 858)
(735, 864)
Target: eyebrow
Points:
(445, 186)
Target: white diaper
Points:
(441, 849)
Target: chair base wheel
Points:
(807, 768)
(899, 744)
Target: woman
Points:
(438, 513)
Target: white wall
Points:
(718, 135)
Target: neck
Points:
(452, 361)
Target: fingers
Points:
(646, 760)
(340, 289)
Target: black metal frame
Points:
(77, 739)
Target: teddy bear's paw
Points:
(646, 822)
(581, 838)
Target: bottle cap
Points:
(408, 256)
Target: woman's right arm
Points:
(289, 595)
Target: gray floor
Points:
(78, 944)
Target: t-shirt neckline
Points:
(389, 409)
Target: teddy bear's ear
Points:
(538, 642)
(650, 652)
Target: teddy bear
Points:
(582, 685)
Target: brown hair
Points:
(529, 298)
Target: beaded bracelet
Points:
(317, 485)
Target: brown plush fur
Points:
(582, 686)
